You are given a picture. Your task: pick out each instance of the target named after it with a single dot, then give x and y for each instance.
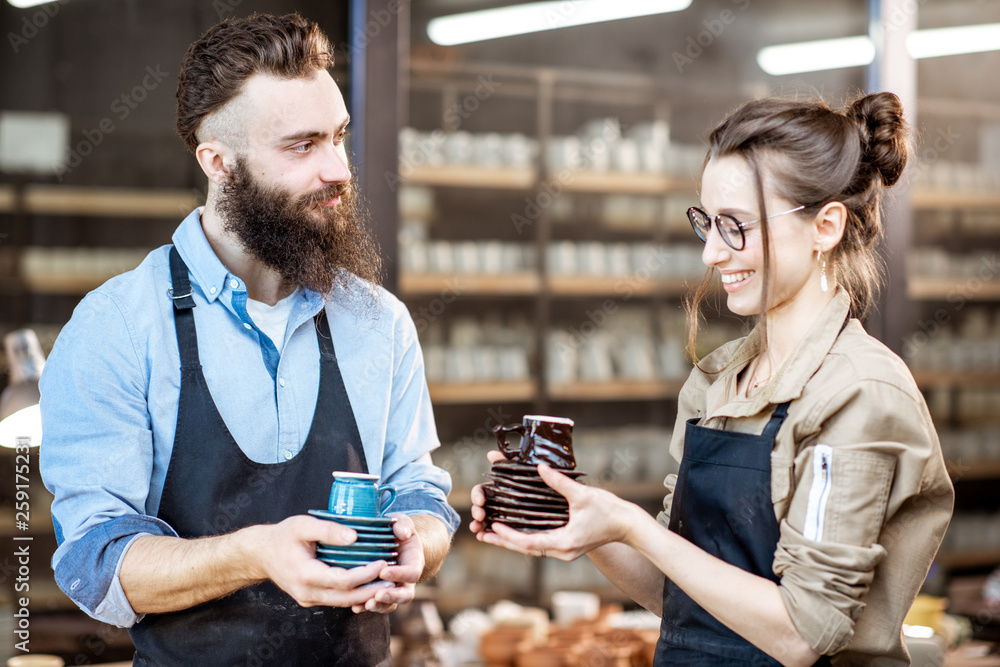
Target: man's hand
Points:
(163, 574)
(288, 558)
(403, 576)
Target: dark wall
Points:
(112, 66)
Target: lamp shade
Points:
(19, 414)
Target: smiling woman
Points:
(831, 165)
(807, 455)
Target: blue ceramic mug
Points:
(358, 494)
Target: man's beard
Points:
(306, 243)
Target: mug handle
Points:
(392, 497)
(501, 433)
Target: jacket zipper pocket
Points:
(819, 493)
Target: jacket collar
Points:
(722, 398)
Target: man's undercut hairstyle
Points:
(217, 65)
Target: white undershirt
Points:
(273, 320)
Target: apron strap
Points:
(324, 337)
(777, 418)
(181, 294)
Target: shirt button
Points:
(281, 381)
(234, 284)
(288, 455)
(213, 290)
(247, 326)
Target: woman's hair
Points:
(813, 155)
(217, 65)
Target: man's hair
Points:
(217, 65)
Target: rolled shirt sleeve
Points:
(862, 469)
(96, 456)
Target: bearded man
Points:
(194, 408)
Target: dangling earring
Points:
(223, 187)
(822, 271)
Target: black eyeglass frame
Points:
(725, 232)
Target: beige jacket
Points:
(855, 544)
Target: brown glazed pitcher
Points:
(543, 440)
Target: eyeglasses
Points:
(729, 227)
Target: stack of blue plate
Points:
(376, 541)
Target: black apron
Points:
(213, 488)
(722, 504)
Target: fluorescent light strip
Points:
(27, 4)
(815, 56)
(539, 16)
(854, 51)
(954, 41)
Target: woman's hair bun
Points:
(884, 134)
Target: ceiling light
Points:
(954, 41)
(539, 16)
(855, 51)
(26, 4)
(21, 428)
(20, 417)
(815, 56)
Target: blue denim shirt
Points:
(111, 385)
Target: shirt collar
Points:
(206, 270)
(807, 357)
(722, 398)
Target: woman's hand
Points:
(479, 498)
(596, 517)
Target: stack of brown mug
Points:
(517, 496)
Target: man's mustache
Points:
(326, 194)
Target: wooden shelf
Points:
(562, 285)
(947, 379)
(968, 289)
(529, 284)
(616, 390)
(101, 202)
(8, 198)
(459, 284)
(933, 200)
(472, 177)
(505, 178)
(68, 285)
(970, 558)
(638, 183)
(524, 391)
(520, 391)
(974, 470)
